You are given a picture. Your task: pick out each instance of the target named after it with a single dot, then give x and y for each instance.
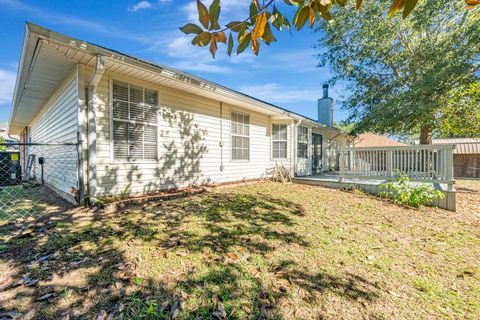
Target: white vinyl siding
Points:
(240, 127)
(57, 123)
(135, 128)
(302, 142)
(194, 143)
(279, 141)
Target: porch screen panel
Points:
(135, 128)
(279, 141)
(302, 142)
(240, 131)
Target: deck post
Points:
(342, 165)
(449, 161)
(389, 164)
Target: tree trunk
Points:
(426, 133)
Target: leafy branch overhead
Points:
(262, 18)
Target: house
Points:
(140, 127)
(374, 140)
(466, 156)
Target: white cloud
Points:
(277, 93)
(7, 84)
(140, 6)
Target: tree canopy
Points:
(404, 73)
(264, 16)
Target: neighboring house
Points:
(375, 140)
(466, 156)
(144, 127)
(5, 138)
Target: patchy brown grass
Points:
(264, 250)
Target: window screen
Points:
(302, 142)
(240, 131)
(279, 141)
(135, 127)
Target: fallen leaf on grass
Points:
(45, 296)
(220, 312)
(28, 316)
(232, 255)
(102, 315)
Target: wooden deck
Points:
(372, 186)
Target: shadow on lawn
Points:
(56, 249)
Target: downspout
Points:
(91, 127)
(221, 137)
(294, 144)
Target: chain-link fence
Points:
(36, 178)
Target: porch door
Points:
(317, 140)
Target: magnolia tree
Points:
(264, 16)
(407, 76)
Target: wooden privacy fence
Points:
(422, 163)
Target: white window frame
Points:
(280, 140)
(112, 156)
(239, 135)
(301, 128)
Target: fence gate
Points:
(37, 178)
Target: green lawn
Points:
(264, 250)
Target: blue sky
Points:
(284, 73)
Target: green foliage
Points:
(460, 114)
(345, 126)
(2, 140)
(401, 71)
(403, 192)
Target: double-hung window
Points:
(134, 123)
(240, 131)
(279, 141)
(302, 142)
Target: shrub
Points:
(403, 192)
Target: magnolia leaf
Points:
(409, 5)
(255, 2)
(358, 4)
(202, 39)
(214, 13)
(243, 42)
(255, 46)
(268, 36)
(221, 37)
(397, 5)
(276, 19)
(203, 16)
(213, 47)
(341, 3)
(230, 44)
(253, 13)
(311, 17)
(235, 25)
(286, 23)
(259, 28)
(191, 28)
(302, 17)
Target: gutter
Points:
(91, 127)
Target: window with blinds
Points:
(302, 142)
(240, 131)
(279, 141)
(135, 128)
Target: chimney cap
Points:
(325, 85)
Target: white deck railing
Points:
(423, 163)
